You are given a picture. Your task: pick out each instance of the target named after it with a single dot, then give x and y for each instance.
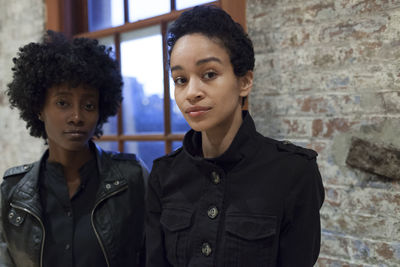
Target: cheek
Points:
(178, 98)
(95, 119)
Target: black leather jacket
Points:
(117, 217)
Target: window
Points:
(149, 123)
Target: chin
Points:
(198, 127)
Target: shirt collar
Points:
(240, 147)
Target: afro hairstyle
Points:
(54, 61)
(216, 24)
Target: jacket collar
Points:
(242, 145)
(26, 193)
(111, 178)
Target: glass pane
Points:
(107, 145)
(110, 127)
(181, 4)
(105, 14)
(142, 70)
(139, 9)
(178, 123)
(147, 151)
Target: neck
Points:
(215, 142)
(71, 161)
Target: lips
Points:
(196, 111)
(75, 133)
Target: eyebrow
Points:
(198, 63)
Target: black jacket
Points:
(117, 217)
(255, 205)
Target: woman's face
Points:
(207, 91)
(70, 116)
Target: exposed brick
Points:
(336, 262)
(369, 6)
(340, 244)
(385, 251)
(327, 128)
(284, 127)
(356, 30)
(391, 102)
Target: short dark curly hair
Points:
(57, 60)
(215, 23)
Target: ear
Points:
(246, 83)
(40, 116)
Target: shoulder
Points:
(13, 175)
(168, 157)
(288, 146)
(128, 163)
(285, 153)
(17, 171)
(119, 156)
(166, 163)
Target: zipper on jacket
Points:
(41, 224)
(94, 227)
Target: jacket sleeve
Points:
(155, 250)
(300, 235)
(5, 258)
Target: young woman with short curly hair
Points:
(77, 205)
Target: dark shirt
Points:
(69, 236)
(255, 205)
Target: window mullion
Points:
(126, 11)
(173, 5)
(117, 44)
(167, 105)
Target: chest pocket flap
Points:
(250, 226)
(176, 219)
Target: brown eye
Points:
(180, 81)
(209, 75)
(90, 107)
(62, 103)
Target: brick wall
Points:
(327, 71)
(21, 22)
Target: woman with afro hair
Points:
(77, 205)
(229, 197)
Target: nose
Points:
(194, 91)
(76, 116)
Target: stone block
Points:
(373, 158)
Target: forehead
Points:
(197, 45)
(72, 90)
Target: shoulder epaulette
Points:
(290, 147)
(17, 170)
